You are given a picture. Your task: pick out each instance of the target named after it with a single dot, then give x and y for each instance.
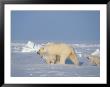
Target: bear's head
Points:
(89, 58)
(41, 51)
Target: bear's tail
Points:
(74, 58)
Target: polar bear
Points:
(94, 59)
(57, 53)
(51, 59)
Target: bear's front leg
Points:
(62, 60)
(57, 59)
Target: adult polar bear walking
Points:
(58, 53)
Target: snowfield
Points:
(26, 63)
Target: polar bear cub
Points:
(94, 59)
(57, 53)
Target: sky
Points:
(70, 26)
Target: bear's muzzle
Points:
(38, 53)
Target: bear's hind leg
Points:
(74, 59)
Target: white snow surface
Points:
(96, 52)
(34, 47)
(31, 47)
(26, 63)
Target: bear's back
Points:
(59, 48)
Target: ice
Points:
(96, 52)
(80, 55)
(26, 63)
(31, 47)
(31, 65)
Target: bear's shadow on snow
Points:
(68, 61)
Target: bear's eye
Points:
(42, 48)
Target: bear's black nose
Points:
(87, 57)
(38, 52)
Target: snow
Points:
(31, 47)
(31, 65)
(96, 52)
(26, 63)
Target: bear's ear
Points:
(43, 49)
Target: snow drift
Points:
(31, 47)
(82, 49)
(96, 52)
